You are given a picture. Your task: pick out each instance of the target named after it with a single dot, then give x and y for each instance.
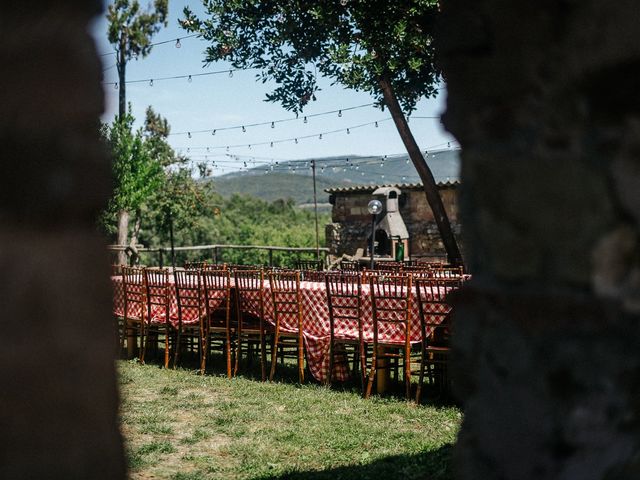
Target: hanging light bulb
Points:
(245, 164)
(448, 144)
(243, 129)
(320, 137)
(407, 161)
(178, 44)
(189, 134)
(213, 132)
(339, 113)
(271, 144)
(249, 146)
(404, 178)
(115, 86)
(230, 73)
(376, 124)
(207, 149)
(296, 140)
(227, 148)
(305, 120)
(273, 124)
(151, 82)
(189, 79)
(348, 131)
(188, 150)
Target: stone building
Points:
(351, 227)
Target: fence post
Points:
(160, 259)
(270, 257)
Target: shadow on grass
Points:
(432, 465)
(287, 372)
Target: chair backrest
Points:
(418, 270)
(389, 266)
(447, 272)
(116, 270)
(188, 295)
(134, 291)
(312, 275)
(349, 266)
(213, 266)
(194, 265)
(158, 290)
(309, 264)
(249, 286)
(391, 304)
(434, 308)
(285, 295)
(216, 285)
(344, 299)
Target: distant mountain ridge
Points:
(293, 179)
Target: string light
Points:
(189, 135)
(178, 44)
(213, 132)
(271, 144)
(296, 140)
(376, 124)
(115, 86)
(305, 120)
(273, 124)
(348, 131)
(339, 113)
(320, 137)
(230, 73)
(151, 82)
(189, 79)
(243, 129)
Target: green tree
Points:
(137, 175)
(130, 32)
(379, 46)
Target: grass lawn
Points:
(180, 425)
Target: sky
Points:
(219, 101)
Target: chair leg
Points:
(300, 357)
(166, 345)
(274, 355)
(144, 340)
(372, 373)
(176, 354)
(263, 354)
(329, 378)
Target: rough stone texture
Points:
(352, 222)
(542, 96)
(58, 406)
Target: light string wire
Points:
(173, 40)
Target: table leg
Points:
(383, 372)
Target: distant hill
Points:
(293, 179)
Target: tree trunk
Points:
(122, 65)
(428, 182)
(136, 228)
(123, 230)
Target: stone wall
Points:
(58, 406)
(352, 222)
(543, 98)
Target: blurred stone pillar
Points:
(58, 396)
(543, 97)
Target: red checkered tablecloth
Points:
(315, 323)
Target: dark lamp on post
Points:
(374, 207)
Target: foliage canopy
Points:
(354, 42)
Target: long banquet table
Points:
(315, 323)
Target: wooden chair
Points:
(435, 312)
(191, 313)
(287, 308)
(309, 264)
(251, 326)
(134, 295)
(344, 299)
(158, 321)
(218, 328)
(391, 306)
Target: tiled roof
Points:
(401, 186)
